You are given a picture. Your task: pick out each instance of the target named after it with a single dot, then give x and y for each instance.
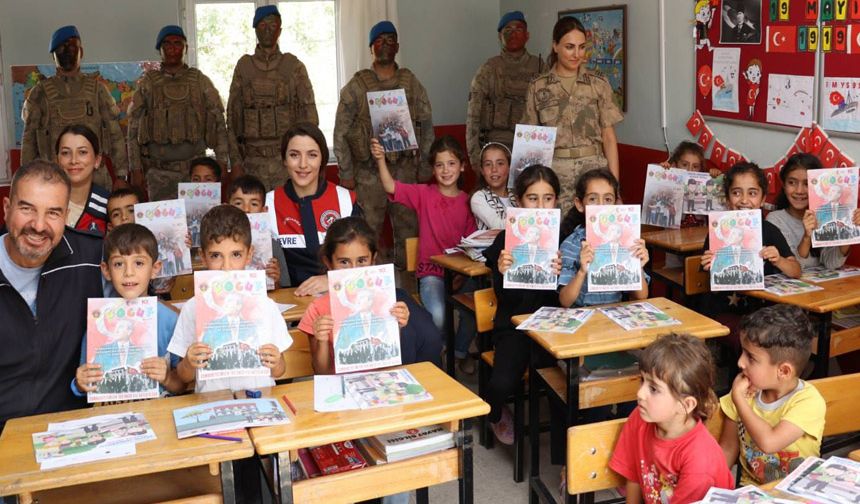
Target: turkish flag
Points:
(802, 140)
(706, 136)
(840, 38)
(853, 42)
(844, 161)
(717, 153)
(781, 39)
(829, 155)
(794, 149)
(817, 139)
(777, 167)
(733, 157)
(695, 123)
(772, 175)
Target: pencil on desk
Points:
(223, 438)
(290, 405)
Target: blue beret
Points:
(262, 12)
(380, 28)
(167, 31)
(510, 16)
(61, 35)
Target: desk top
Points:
(288, 296)
(20, 473)
(460, 263)
(601, 335)
(835, 295)
(451, 401)
(684, 240)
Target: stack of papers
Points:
(367, 390)
(90, 439)
(474, 244)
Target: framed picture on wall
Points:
(606, 29)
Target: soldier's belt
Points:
(173, 152)
(266, 151)
(578, 152)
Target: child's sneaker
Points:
(504, 428)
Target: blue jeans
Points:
(432, 291)
(400, 498)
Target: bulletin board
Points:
(840, 52)
(763, 72)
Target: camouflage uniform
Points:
(173, 119)
(352, 133)
(57, 102)
(580, 117)
(496, 100)
(268, 94)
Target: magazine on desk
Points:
(818, 274)
(664, 196)
(533, 145)
(531, 234)
(166, 219)
(832, 481)
(612, 230)
(781, 285)
(367, 390)
(554, 319)
(199, 198)
(391, 121)
(229, 415)
(120, 335)
(641, 315)
(261, 240)
(735, 239)
(833, 198)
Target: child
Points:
(594, 187)
(120, 206)
(131, 261)
(350, 243)
(79, 156)
(796, 221)
(490, 201)
(248, 194)
(536, 187)
(204, 169)
(443, 219)
(775, 419)
(226, 244)
(690, 156)
(665, 450)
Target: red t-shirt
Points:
(675, 471)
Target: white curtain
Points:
(354, 18)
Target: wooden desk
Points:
(452, 264)
(598, 335)
(452, 404)
(285, 296)
(835, 295)
(684, 241)
(20, 474)
(854, 455)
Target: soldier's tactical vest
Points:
(65, 109)
(266, 98)
(361, 132)
(177, 113)
(507, 98)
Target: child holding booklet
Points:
(665, 450)
(489, 202)
(204, 169)
(690, 156)
(350, 243)
(131, 261)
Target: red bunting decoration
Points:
(733, 157)
(817, 139)
(706, 136)
(802, 140)
(829, 155)
(695, 123)
(717, 154)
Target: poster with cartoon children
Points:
(391, 121)
(735, 239)
(199, 198)
(120, 334)
(833, 199)
(261, 240)
(366, 334)
(532, 145)
(612, 230)
(229, 319)
(531, 235)
(664, 196)
(166, 219)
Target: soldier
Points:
(175, 114)
(578, 102)
(352, 133)
(71, 97)
(270, 92)
(498, 92)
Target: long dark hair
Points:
(81, 130)
(740, 169)
(576, 218)
(532, 175)
(309, 130)
(347, 230)
(686, 147)
(561, 28)
(796, 162)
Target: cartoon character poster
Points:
(120, 334)
(199, 198)
(531, 234)
(703, 194)
(753, 76)
(532, 145)
(724, 84)
(261, 240)
(612, 230)
(230, 319)
(392, 124)
(366, 334)
(704, 13)
(735, 239)
(664, 196)
(839, 104)
(166, 219)
(789, 99)
(833, 198)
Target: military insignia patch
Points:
(328, 217)
(543, 95)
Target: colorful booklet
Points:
(261, 240)
(820, 274)
(735, 239)
(391, 121)
(385, 388)
(833, 198)
(612, 231)
(664, 196)
(744, 495)
(703, 194)
(337, 457)
(553, 319)
(228, 319)
(199, 198)
(366, 334)
(642, 315)
(120, 334)
(781, 285)
(835, 480)
(532, 145)
(531, 234)
(166, 220)
(229, 415)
